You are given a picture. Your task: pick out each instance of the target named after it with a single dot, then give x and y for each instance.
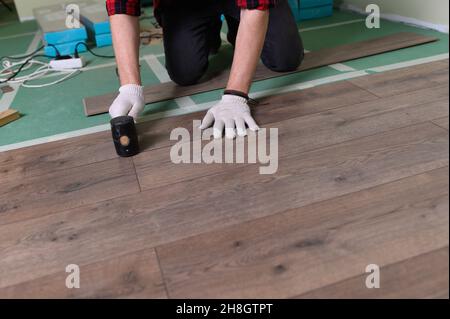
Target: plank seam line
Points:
(135, 173)
(441, 127)
(362, 274)
(304, 206)
(161, 271)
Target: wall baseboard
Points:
(398, 18)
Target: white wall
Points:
(430, 13)
(25, 7)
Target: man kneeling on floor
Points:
(256, 28)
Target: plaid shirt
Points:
(133, 7)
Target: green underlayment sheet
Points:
(59, 109)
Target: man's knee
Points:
(284, 61)
(184, 74)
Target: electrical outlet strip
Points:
(67, 64)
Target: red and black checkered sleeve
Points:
(129, 7)
(256, 4)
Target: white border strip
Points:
(17, 36)
(332, 25)
(406, 64)
(161, 73)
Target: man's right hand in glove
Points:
(129, 102)
(125, 33)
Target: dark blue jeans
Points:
(191, 34)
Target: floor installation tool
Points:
(125, 136)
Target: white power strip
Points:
(67, 64)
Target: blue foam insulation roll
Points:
(52, 20)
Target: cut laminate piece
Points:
(34, 248)
(442, 122)
(8, 116)
(324, 57)
(399, 81)
(61, 190)
(288, 254)
(135, 275)
(309, 132)
(420, 277)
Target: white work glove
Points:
(129, 102)
(232, 112)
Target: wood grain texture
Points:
(135, 275)
(324, 57)
(56, 156)
(423, 276)
(308, 132)
(177, 211)
(302, 249)
(37, 196)
(404, 80)
(442, 122)
(155, 134)
(361, 179)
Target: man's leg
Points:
(188, 41)
(283, 48)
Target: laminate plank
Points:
(423, 276)
(79, 151)
(290, 253)
(445, 62)
(305, 133)
(404, 80)
(55, 156)
(312, 60)
(442, 122)
(34, 248)
(155, 134)
(135, 275)
(61, 190)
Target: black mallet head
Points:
(125, 136)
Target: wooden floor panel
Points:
(61, 155)
(404, 80)
(135, 275)
(317, 130)
(362, 178)
(64, 189)
(177, 211)
(312, 246)
(423, 276)
(88, 149)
